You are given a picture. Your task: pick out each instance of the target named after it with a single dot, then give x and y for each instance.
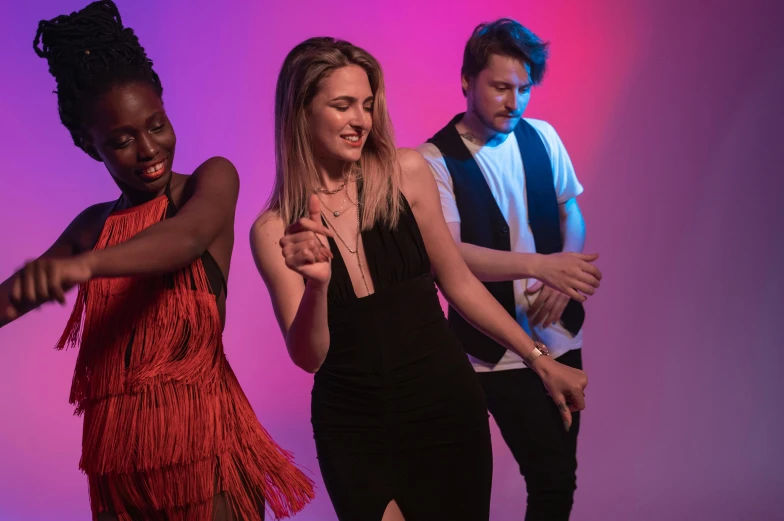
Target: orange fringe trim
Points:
(166, 424)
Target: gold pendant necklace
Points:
(355, 251)
(337, 212)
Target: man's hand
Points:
(548, 306)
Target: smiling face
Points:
(499, 94)
(340, 115)
(128, 130)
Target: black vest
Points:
(483, 224)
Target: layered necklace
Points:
(336, 190)
(338, 213)
(322, 190)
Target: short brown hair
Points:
(505, 37)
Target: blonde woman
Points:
(351, 247)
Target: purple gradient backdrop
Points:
(671, 113)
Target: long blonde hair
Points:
(296, 174)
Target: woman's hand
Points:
(565, 385)
(43, 280)
(305, 246)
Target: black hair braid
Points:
(88, 52)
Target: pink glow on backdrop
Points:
(671, 113)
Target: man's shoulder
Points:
(430, 152)
(543, 127)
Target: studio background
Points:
(671, 112)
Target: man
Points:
(508, 193)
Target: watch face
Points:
(542, 348)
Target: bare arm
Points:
(301, 309)
(161, 248)
(549, 305)
(177, 242)
(79, 236)
(471, 299)
(490, 265)
(460, 287)
(572, 226)
(570, 273)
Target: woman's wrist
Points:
(536, 356)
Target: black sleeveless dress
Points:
(397, 410)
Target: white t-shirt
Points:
(503, 170)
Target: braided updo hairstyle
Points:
(89, 51)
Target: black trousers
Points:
(533, 429)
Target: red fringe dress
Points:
(167, 428)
